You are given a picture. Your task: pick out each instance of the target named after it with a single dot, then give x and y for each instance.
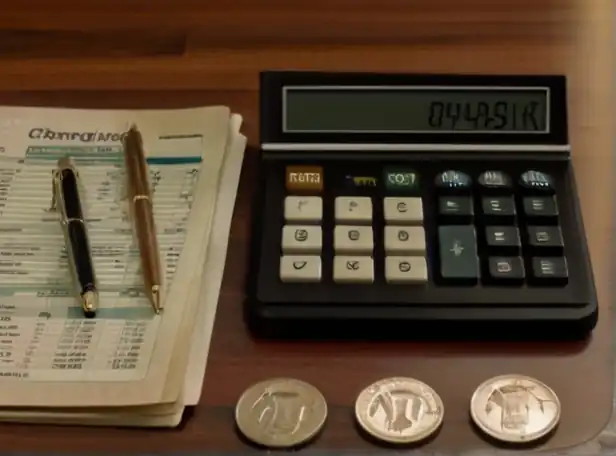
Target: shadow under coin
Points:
(511, 446)
(391, 445)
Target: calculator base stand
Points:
(318, 322)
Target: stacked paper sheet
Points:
(128, 366)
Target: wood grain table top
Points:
(187, 53)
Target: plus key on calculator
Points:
(417, 206)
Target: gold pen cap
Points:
(89, 303)
(65, 163)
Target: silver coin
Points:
(281, 412)
(399, 410)
(515, 408)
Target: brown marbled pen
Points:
(142, 212)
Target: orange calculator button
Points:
(304, 179)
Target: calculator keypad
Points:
(500, 246)
(487, 228)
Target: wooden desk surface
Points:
(212, 54)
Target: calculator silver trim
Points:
(351, 147)
(285, 89)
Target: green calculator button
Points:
(401, 180)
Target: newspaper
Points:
(50, 356)
(170, 415)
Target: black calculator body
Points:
(396, 206)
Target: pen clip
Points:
(131, 193)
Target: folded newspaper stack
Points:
(128, 366)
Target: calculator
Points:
(412, 206)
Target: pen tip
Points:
(89, 302)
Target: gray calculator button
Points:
(545, 236)
(453, 179)
(353, 269)
(350, 209)
(458, 252)
(541, 206)
(303, 209)
(455, 206)
(406, 269)
(405, 211)
(537, 180)
(353, 240)
(494, 179)
(300, 268)
(405, 240)
(301, 239)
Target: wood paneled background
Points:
(212, 44)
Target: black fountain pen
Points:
(67, 202)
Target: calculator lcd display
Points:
(391, 109)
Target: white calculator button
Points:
(353, 240)
(405, 240)
(406, 269)
(350, 209)
(353, 269)
(407, 211)
(300, 268)
(301, 239)
(303, 209)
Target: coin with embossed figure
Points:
(515, 408)
(399, 410)
(281, 413)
